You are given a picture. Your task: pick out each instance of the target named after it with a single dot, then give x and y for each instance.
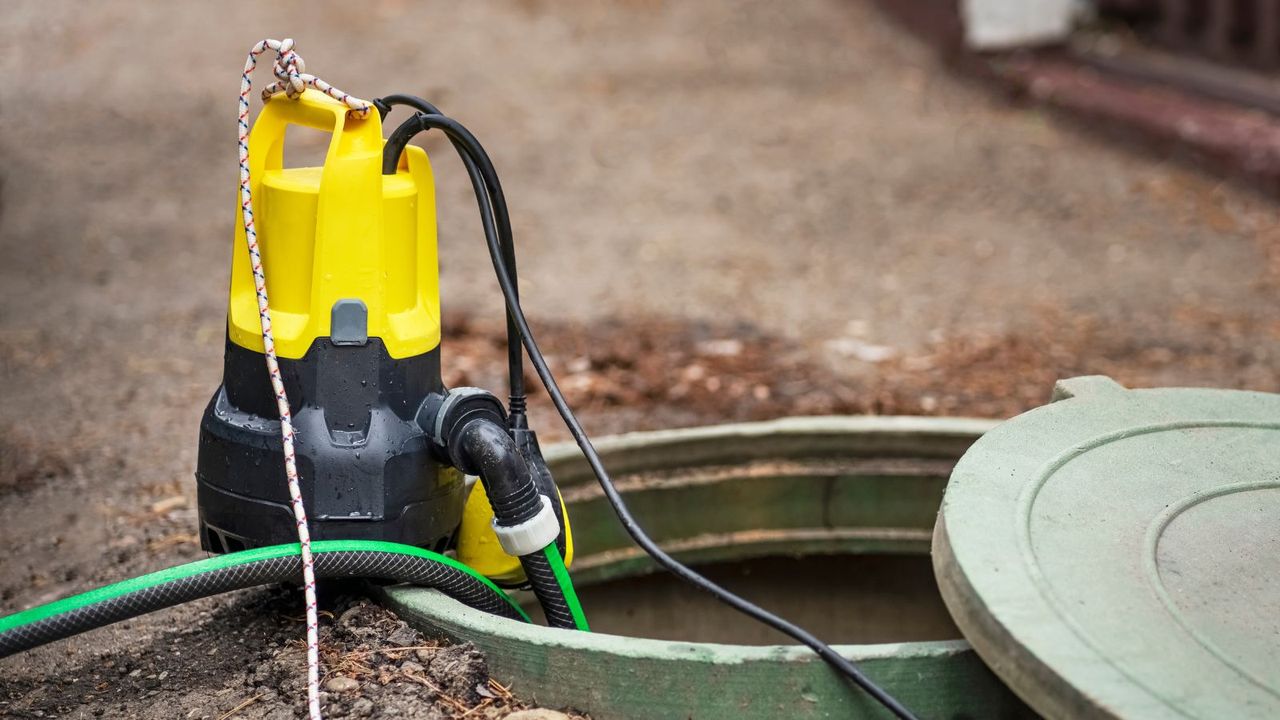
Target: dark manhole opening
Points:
(846, 599)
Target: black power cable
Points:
(474, 155)
(488, 191)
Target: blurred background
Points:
(723, 211)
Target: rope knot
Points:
(292, 77)
(289, 70)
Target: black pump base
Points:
(365, 466)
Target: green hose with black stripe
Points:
(278, 563)
(567, 591)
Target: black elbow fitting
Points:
(468, 430)
(484, 448)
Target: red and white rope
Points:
(291, 80)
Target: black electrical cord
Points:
(467, 145)
(517, 420)
(488, 190)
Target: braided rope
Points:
(291, 80)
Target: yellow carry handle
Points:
(343, 231)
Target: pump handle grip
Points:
(313, 109)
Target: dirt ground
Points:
(247, 660)
(724, 211)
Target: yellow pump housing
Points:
(344, 230)
(347, 231)
(478, 546)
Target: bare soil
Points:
(247, 660)
(724, 211)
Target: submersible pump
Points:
(332, 449)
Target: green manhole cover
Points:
(1117, 553)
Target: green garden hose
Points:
(236, 571)
(566, 586)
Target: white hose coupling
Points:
(531, 535)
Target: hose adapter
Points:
(444, 415)
(469, 427)
(517, 510)
(470, 431)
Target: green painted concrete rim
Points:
(839, 434)
(639, 678)
(724, 440)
